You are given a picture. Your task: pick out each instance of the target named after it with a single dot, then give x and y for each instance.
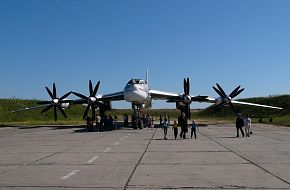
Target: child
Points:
(193, 129)
(165, 128)
(175, 129)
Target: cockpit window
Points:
(136, 81)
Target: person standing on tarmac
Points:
(240, 124)
(175, 129)
(165, 128)
(182, 122)
(248, 124)
(194, 127)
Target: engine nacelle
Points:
(181, 106)
(218, 100)
(64, 105)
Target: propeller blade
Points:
(61, 110)
(91, 87)
(234, 91)
(188, 86)
(234, 108)
(65, 96)
(237, 93)
(221, 90)
(86, 111)
(219, 106)
(54, 113)
(82, 101)
(80, 95)
(54, 91)
(47, 108)
(185, 86)
(49, 92)
(96, 89)
(217, 91)
(93, 112)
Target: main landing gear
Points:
(137, 122)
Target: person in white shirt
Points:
(248, 123)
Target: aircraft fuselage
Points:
(136, 91)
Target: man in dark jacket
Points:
(182, 122)
(240, 124)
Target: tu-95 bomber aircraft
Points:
(138, 93)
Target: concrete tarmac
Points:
(71, 158)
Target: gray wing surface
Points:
(161, 95)
(113, 96)
(174, 97)
(31, 108)
(253, 104)
(213, 100)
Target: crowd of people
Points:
(105, 123)
(182, 123)
(108, 123)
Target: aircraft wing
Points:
(112, 97)
(31, 108)
(174, 97)
(161, 95)
(253, 104)
(213, 100)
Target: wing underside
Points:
(113, 96)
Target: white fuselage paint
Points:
(136, 91)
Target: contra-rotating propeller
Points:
(91, 100)
(55, 103)
(186, 96)
(227, 99)
(183, 101)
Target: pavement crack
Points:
(251, 162)
(139, 161)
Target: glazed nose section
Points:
(131, 88)
(134, 87)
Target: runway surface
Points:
(71, 158)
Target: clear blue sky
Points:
(232, 42)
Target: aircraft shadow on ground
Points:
(49, 126)
(68, 127)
